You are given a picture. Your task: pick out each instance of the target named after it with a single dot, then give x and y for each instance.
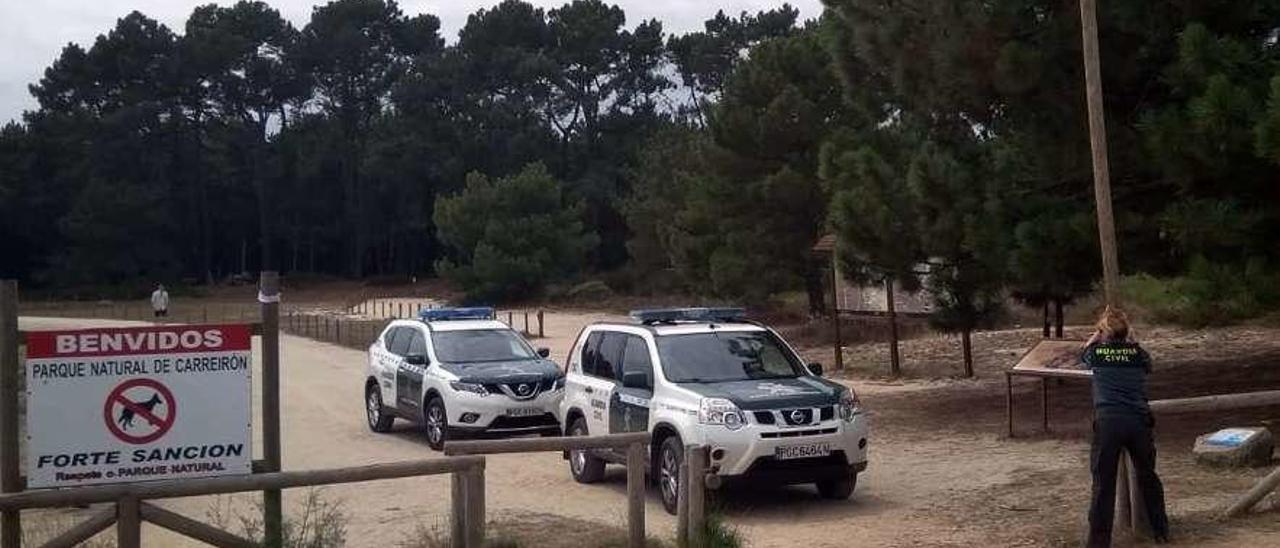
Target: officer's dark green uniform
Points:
(1121, 421)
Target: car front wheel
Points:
(436, 423)
(838, 489)
(670, 455)
(379, 419)
(585, 467)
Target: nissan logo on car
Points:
(797, 416)
(524, 389)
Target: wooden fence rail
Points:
(130, 510)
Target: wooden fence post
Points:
(895, 363)
(475, 506)
(1122, 512)
(696, 458)
(128, 523)
(635, 494)
(526, 323)
(272, 510)
(10, 482)
(458, 521)
(682, 504)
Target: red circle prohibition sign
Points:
(143, 411)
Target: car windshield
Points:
(726, 356)
(480, 345)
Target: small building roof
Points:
(825, 244)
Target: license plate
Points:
(524, 412)
(808, 450)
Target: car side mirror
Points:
(544, 351)
(635, 379)
(415, 359)
(815, 368)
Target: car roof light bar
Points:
(450, 314)
(699, 315)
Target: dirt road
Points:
(938, 476)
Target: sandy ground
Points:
(941, 471)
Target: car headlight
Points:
(849, 405)
(721, 411)
(477, 389)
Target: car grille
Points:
(784, 416)
(512, 389)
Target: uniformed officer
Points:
(1122, 421)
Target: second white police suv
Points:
(457, 371)
(709, 377)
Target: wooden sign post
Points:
(10, 480)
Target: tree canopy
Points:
(943, 143)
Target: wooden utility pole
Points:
(1098, 143)
(1128, 496)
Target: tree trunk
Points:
(967, 345)
(895, 365)
(1046, 319)
(1057, 304)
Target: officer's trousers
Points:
(1113, 434)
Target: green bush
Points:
(510, 237)
(592, 291)
(718, 534)
(1208, 294)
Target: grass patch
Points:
(41, 527)
(318, 523)
(436, 537)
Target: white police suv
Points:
(708, 377)
(457, 371)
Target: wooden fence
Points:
(635, 444)
(129, 508)
(691, 514)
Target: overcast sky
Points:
(33, 32)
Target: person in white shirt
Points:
(160, 301)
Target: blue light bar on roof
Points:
(670, 315)
(446, 314)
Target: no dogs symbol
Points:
(139, 411)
